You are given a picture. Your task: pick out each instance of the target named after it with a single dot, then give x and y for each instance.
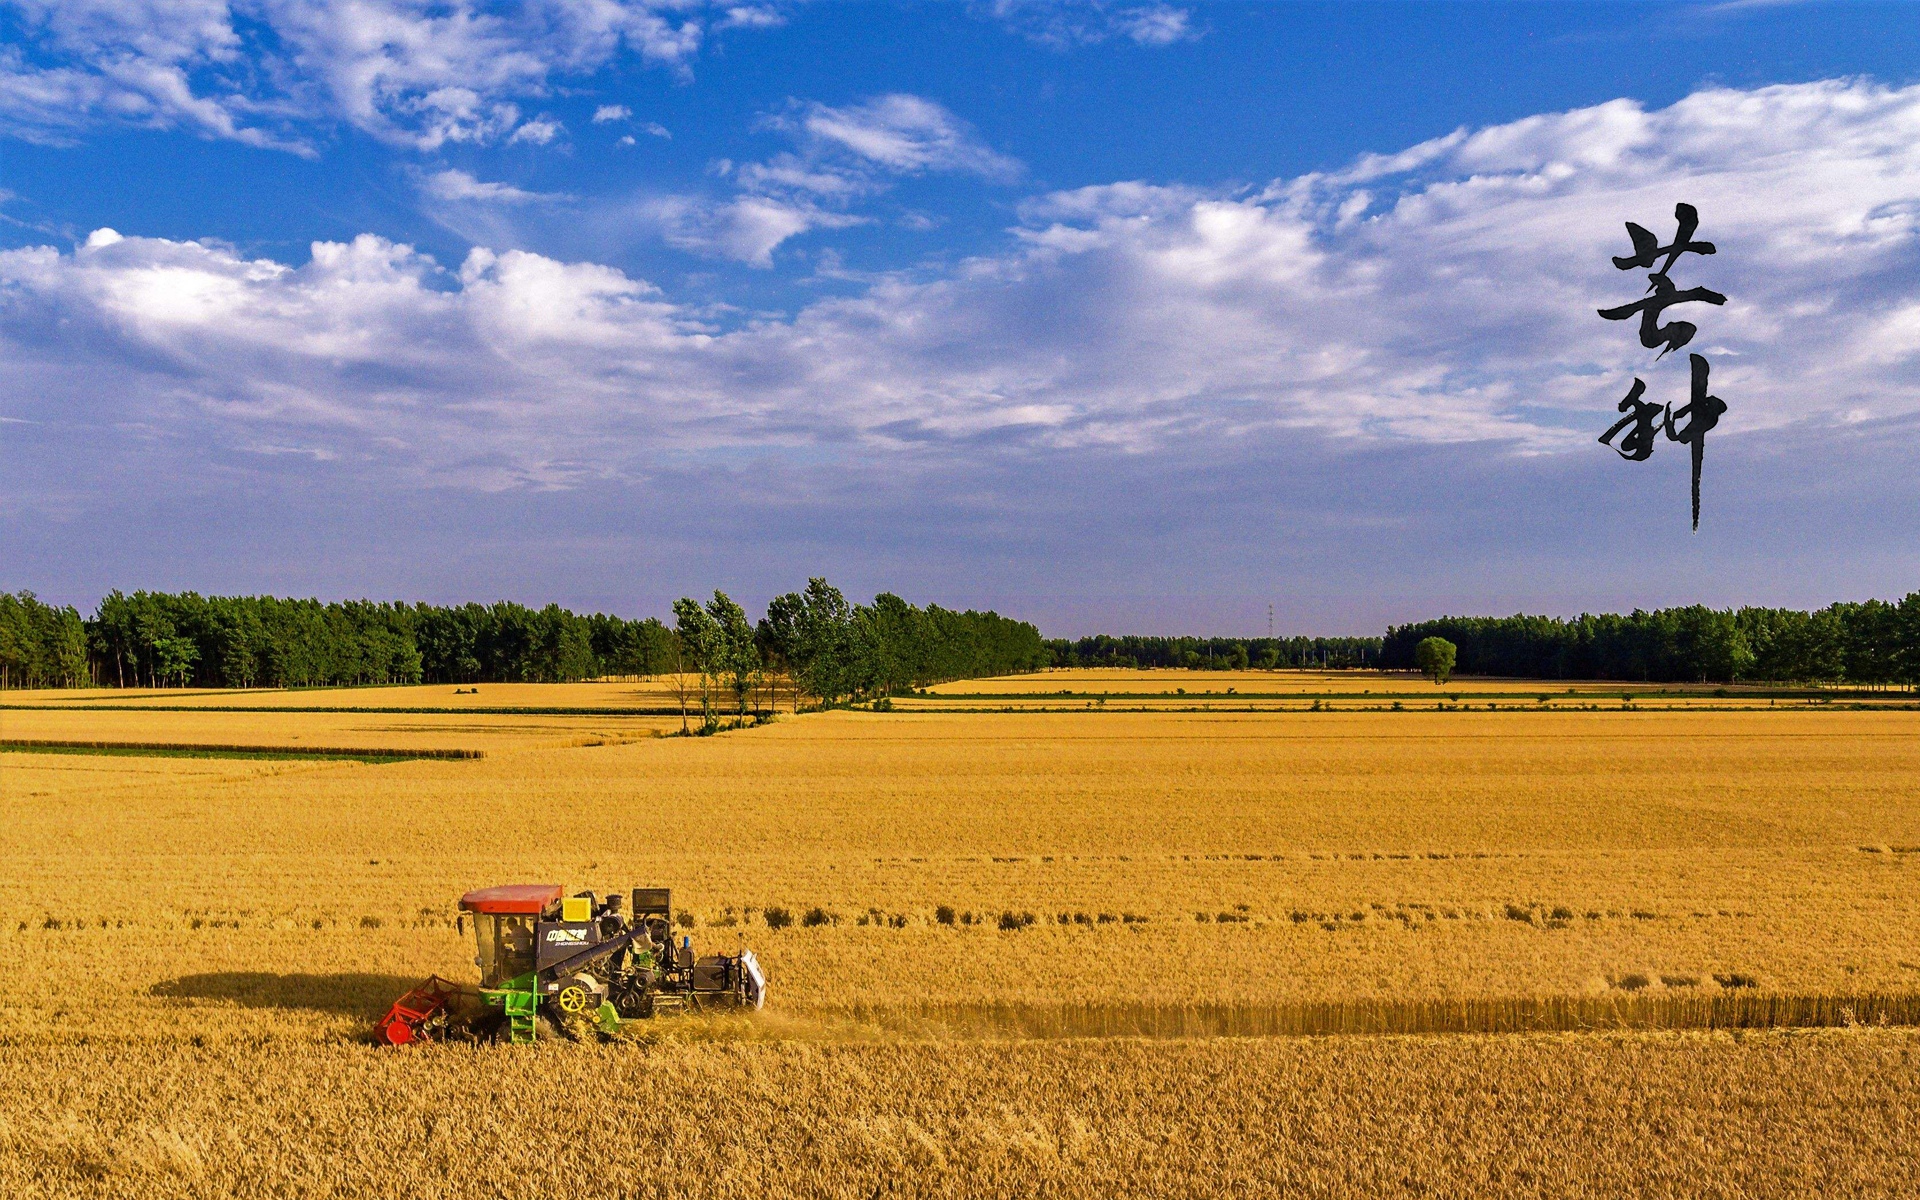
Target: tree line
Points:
(41, 645)
(155, 639)
(832, 649)
(1226, 654)
(1869, 644)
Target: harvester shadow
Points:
(359, 994)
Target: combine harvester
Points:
(548, 963)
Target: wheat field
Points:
(1169, 681)
(649, 693)
(1108, 689)
(1017, 941)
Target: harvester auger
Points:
(568, 959)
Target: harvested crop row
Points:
(1829, 1114)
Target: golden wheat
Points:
(1119, 690)
(650, 692)
(1768, 1115)
(164, 923)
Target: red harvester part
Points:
(406, 1021)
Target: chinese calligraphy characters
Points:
(1643, 417)
(1673, 335)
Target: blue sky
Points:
(1123, 316)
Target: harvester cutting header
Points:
(549, 961)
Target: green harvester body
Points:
(582, 959)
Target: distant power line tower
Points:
(1269, 622)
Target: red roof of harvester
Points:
(511, 898)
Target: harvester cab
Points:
(543, 954)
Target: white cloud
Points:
(128, 63)
(1110, 200)
(538, 132)
(459, 186)
(656, 129)
(746, 228)
(793, 174)
(1062, 24)
(902, 134)
(752, 16)
(1733, 6)
(274, 72)
(1458, 304)
(611, 112)
(844, 156)
(1157, 25)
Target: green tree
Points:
(831, 648)
(738, 657)
(174, 658)
(1709, 645)
(63, 646)
(16, 640)
(778, 636)
(1435, 657)
(821, 639)
(1907, 630)
(699, 636)
(886, 643)
(677, 660)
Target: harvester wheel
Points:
(574, 1000)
